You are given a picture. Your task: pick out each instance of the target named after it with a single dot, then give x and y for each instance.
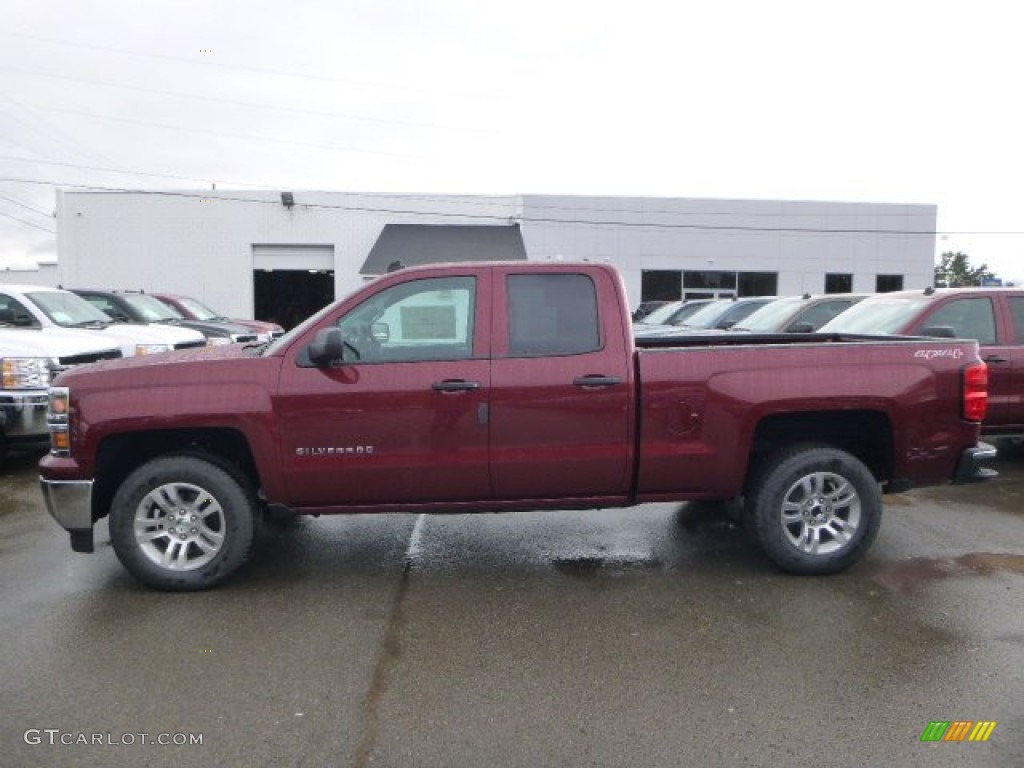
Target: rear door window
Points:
(1017, 314)
(552, 315)
(970, 318)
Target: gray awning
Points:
(415, 244)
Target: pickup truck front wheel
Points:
(182, 523)
(814, 509)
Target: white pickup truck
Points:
(28, 362)
(50, 309)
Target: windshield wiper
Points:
(91, 324)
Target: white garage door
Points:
(293, 257)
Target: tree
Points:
(954, 270)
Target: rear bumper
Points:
(69, 502)
(970, 470)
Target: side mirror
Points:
(381, 332)
(938, 331)
(328, 346)
(802, 327)
(22, 319)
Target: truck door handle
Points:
(596, 380)
(455, 385)
(996, 359)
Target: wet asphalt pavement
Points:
(643, 637)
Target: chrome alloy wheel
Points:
(820, 513)
(179, 526)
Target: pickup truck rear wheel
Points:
(182, 523)
(814, 509)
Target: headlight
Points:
(58, 411)
(217, 341)
(26, 372)
(151, 349)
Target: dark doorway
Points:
(289, 296)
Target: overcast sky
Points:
(888, 101)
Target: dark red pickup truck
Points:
(994, 317)
(484, 387)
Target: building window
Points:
(839, 283)
(709, 280)
(886, 283)
(758, 284)
(661, 285)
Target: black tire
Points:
(814, 509)
(182, 523)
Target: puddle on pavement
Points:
(907, 575)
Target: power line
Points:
(23, 205)
(505, 218)
(237, 102)
(28, 223)
(477, 202)
(121, 171)
(221, 196)
(55, 134)
(220, 65)
(226, 134)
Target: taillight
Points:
(975, 389)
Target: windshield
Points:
(770, 317)
(67, 309)
(688, 310)
(198, 310)
(876, 315)
(708, 315)
(661, 314)
(150, 309)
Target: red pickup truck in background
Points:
(487, 387)
(994, 317)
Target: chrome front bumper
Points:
(69, 502)
(23, 415)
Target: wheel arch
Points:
(865, 434)
(120, 455)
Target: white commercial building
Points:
(280, 255)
